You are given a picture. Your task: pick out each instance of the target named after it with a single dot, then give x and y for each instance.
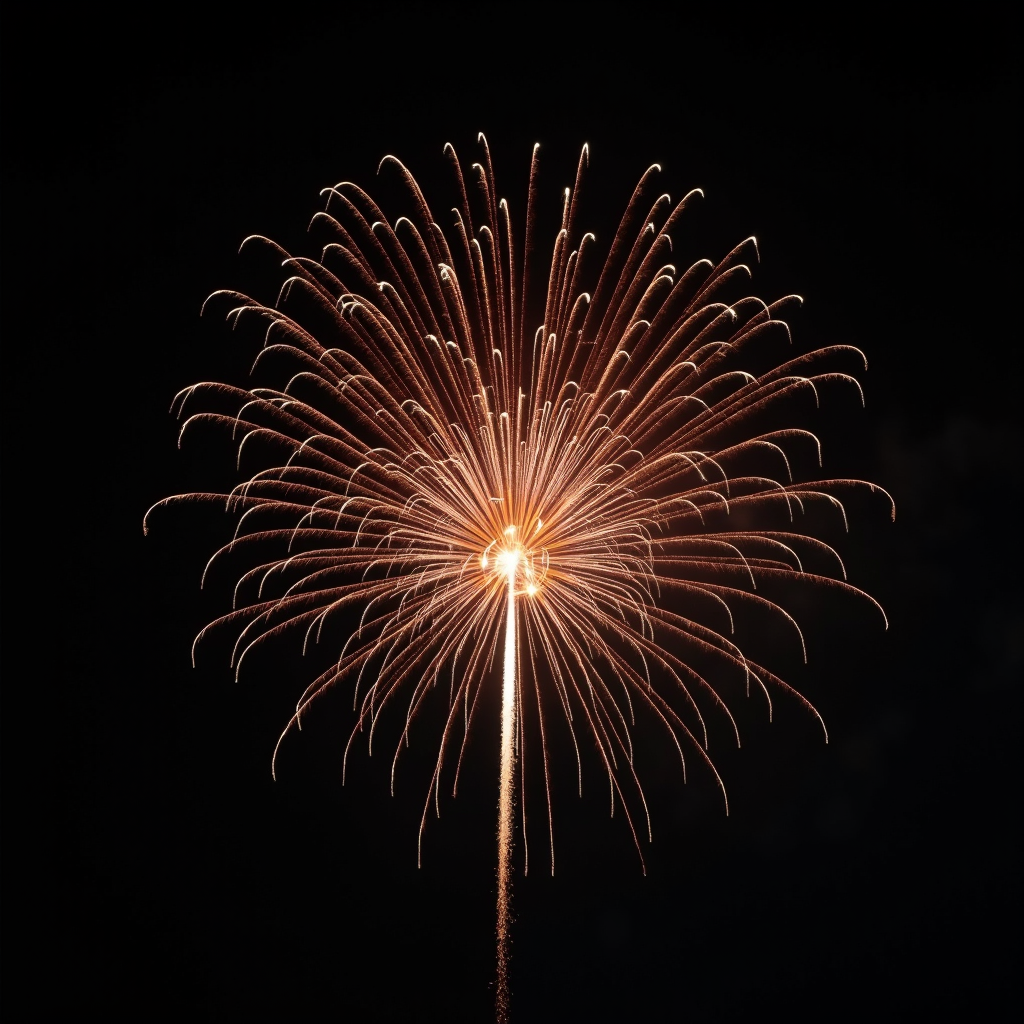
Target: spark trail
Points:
(505, 797)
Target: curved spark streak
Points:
(463, 430)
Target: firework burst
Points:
(585, 494)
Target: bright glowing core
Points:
(508, 559)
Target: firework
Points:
(478, 461)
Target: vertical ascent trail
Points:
(508, 766)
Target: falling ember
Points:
(460, 434)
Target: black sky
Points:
(153, 871)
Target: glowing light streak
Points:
(507, 789)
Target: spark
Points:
(462, 433)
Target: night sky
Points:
(153, 871)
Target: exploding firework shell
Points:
(456, 474)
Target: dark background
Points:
(151, 868)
